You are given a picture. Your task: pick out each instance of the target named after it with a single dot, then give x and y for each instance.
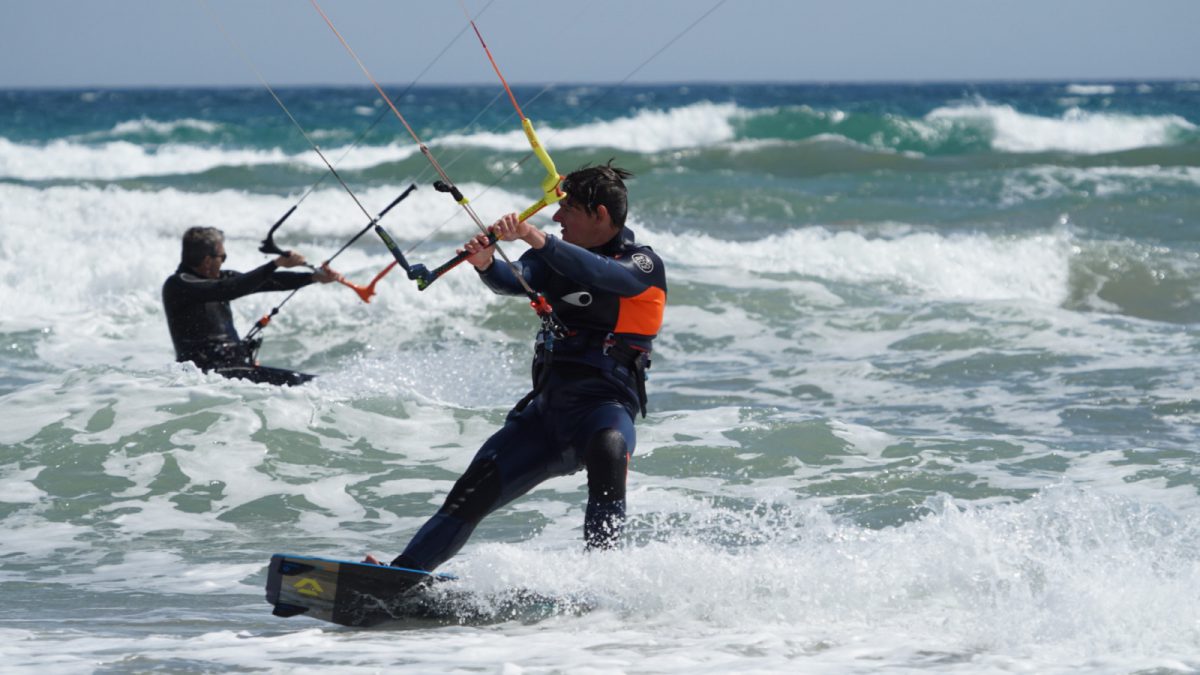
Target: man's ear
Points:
(602, 214)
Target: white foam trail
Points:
(1075, 131)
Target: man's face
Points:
(210, 267)
(587, 230)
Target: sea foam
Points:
(1075, 130)
(122, 159)
(650, 130)
(958, 266)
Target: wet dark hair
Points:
(199, 242)
(591, 186)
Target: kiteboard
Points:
(345, 592)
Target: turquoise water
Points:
(925, 397)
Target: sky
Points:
(132, 43)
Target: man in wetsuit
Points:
(610, 293)
(196, 299)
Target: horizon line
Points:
(662, 83)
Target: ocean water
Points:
(926, 396)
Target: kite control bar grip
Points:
(443, 186)
(396, 201)
(268, 245)
(417, 272)
(450, 264)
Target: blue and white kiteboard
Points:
(345, 592)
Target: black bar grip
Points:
(397, 200)
(391, 246)
(268, 245)
(450, 264)
(442, 186)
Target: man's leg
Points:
(607, 459)
(511, 463)
(475, 494)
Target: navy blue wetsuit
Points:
(201, 321)
(588, 387)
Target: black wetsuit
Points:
(588, 387)
(201, 321)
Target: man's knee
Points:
(607, 461)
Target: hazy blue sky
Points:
(176, 42)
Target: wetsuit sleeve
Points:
(286, 281)
(595, 271)
(501, 279)
(233, 285)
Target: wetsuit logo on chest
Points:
(643, 262)
(580, 299)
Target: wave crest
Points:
(647, 131)
(1075, 130)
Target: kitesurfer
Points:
(589, 383)
(196, 299)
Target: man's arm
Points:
(601, 272)
(229, 286)
(286, 281)
(233, 285)
(579, 264)
(501, 277)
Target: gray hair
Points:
(199, 242)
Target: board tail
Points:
(342, 592)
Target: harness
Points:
(608, 346)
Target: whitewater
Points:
(925, 398)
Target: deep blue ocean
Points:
(926, 396)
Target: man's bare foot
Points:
(372, 560)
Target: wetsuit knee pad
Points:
(475, 493)
(607, 462)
